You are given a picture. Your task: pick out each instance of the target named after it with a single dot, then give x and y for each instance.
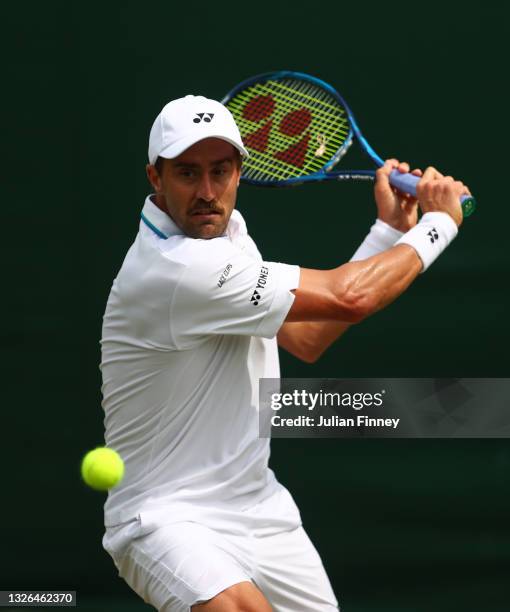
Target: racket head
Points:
(296, 127)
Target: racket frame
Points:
(405, 182)
(323, 173)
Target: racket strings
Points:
(266, 155)
(330, 120)
(288, 114)
(291, 127)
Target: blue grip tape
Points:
(406, 182)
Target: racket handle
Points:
(406, 182)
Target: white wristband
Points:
(430, 237)
(380, 238)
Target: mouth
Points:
(205, 214)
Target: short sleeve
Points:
(224, 290)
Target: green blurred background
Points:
(402, 525)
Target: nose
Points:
(205, 189)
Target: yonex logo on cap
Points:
(181, 123)
(207, 117)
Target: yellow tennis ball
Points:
(102, 468)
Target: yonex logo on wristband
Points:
(430, 237)
(207, 117)
(433, 235)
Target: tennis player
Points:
(200, 522)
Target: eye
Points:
(221, 170)
(186, 172)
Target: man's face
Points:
(198, 189)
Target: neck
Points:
(160, 202)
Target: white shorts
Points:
(181, 564)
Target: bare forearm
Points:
(355, 290)
(379, 280)
(307, 340)
(328, 301)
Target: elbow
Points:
(306, 351)
(304, 348)
(310, 356)
(356, 307)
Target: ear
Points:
(154, 178)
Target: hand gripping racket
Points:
(297, 128)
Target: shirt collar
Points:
(164, 226)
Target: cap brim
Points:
(176, 148)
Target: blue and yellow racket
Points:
(297, 128)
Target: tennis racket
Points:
(297, 128)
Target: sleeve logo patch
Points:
(224, 275)
(261, 284)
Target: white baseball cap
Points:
(185, 121)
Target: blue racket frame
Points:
(404, 182)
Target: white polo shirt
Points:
(189, 329)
